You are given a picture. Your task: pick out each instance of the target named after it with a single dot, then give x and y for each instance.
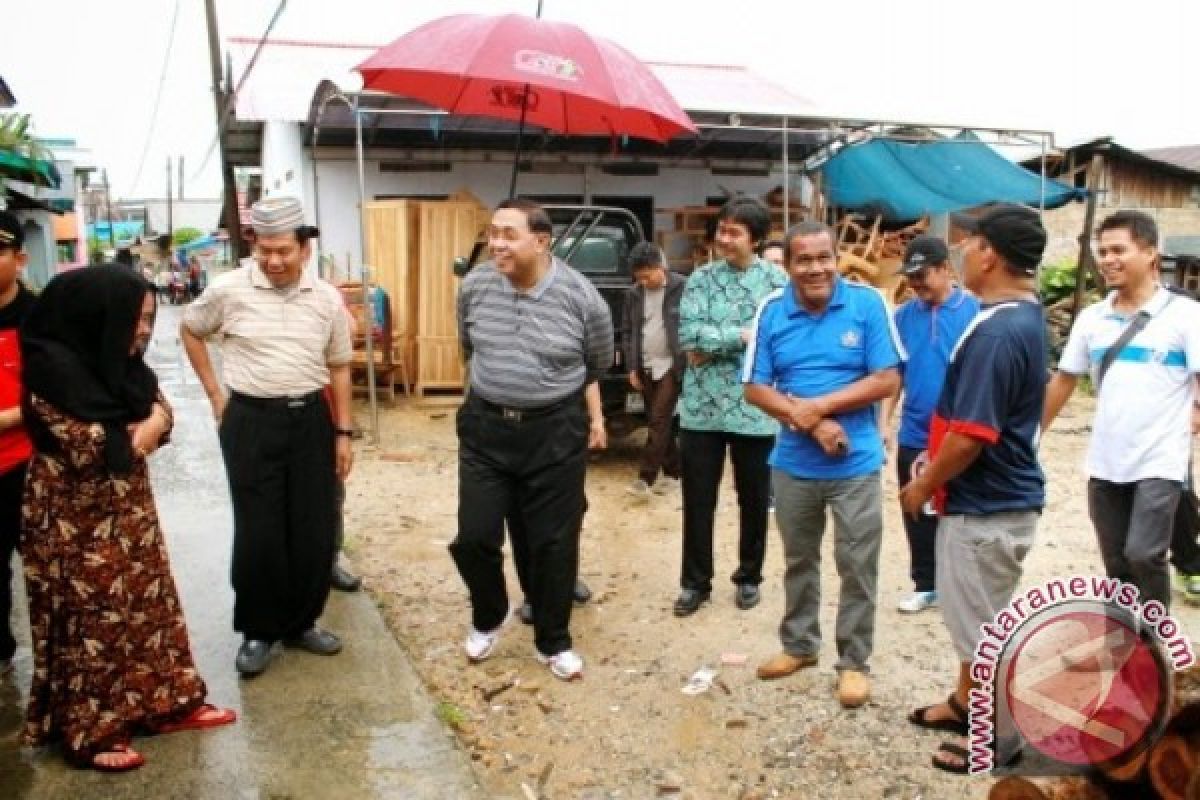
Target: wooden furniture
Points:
(383, 352)
(411, 247)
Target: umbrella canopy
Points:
(550, 74)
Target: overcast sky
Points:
(90, 70)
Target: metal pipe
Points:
(786, 176)
(368, 308)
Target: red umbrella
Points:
(550, 74)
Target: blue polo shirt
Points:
(928, 334)
(810, 355)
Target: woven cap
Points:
(276, 215)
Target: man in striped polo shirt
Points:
(534, 333)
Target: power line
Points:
(231, 100)
(162, 81)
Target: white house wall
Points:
(337, 190)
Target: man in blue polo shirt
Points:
(929, 327)
(823, 353)
(983, 449)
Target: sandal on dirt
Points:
(125, 759)
(920, 718)
(205, 716)
(951, 749)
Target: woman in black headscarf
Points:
(111, 650)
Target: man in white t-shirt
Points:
(1146, 410)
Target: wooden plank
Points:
(391, 255)
(445, 230)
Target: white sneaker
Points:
(639, 489)
(567, 665)
(665, 485)
(480, 644)
(918, 602)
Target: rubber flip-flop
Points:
(131, 759)
(206, 716)
(950, 748)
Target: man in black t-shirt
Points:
(983, 471)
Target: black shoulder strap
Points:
(1134, 327)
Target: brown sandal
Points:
(921, 719)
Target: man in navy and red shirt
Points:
(15, 448)
(983, 447)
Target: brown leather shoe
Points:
(853, 688)
(784, 664)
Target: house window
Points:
(66, 252)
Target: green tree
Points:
(184, 236)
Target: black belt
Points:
(519, 414)
(280, 403)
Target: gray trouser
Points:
(980, 559)
(1134, 523)
(800, 506)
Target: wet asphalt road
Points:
(354, 725)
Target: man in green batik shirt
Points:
(716, 321)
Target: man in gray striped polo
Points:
(534, 332)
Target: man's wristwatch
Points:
(344, 432)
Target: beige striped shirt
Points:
(274, 342)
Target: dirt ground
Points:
(627, 731)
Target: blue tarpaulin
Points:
(905, 181)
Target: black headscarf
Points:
(75, 356)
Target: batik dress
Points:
(110, 646)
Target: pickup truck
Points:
(596, 240)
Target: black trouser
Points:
(703, 464)
(1185, 551)
(1133, 523)
(520, 543)
(12, 486)
(921, 530)
(661, 452)
(280, 461)
(532, 466)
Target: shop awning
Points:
(31, 170)
(905, 181)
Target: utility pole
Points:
(112, 234)
(170, 215)
(233, 225)
(181, 177)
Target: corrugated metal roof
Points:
(287, 73)
(1187, 156)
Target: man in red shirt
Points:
(15, 448)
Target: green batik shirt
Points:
(718, 304)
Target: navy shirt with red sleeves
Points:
(994, 390)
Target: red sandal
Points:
(205, 716)
(129, 759)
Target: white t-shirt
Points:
(656, 349)
(1143, 424)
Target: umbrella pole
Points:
(368, 306)
(512, 184)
